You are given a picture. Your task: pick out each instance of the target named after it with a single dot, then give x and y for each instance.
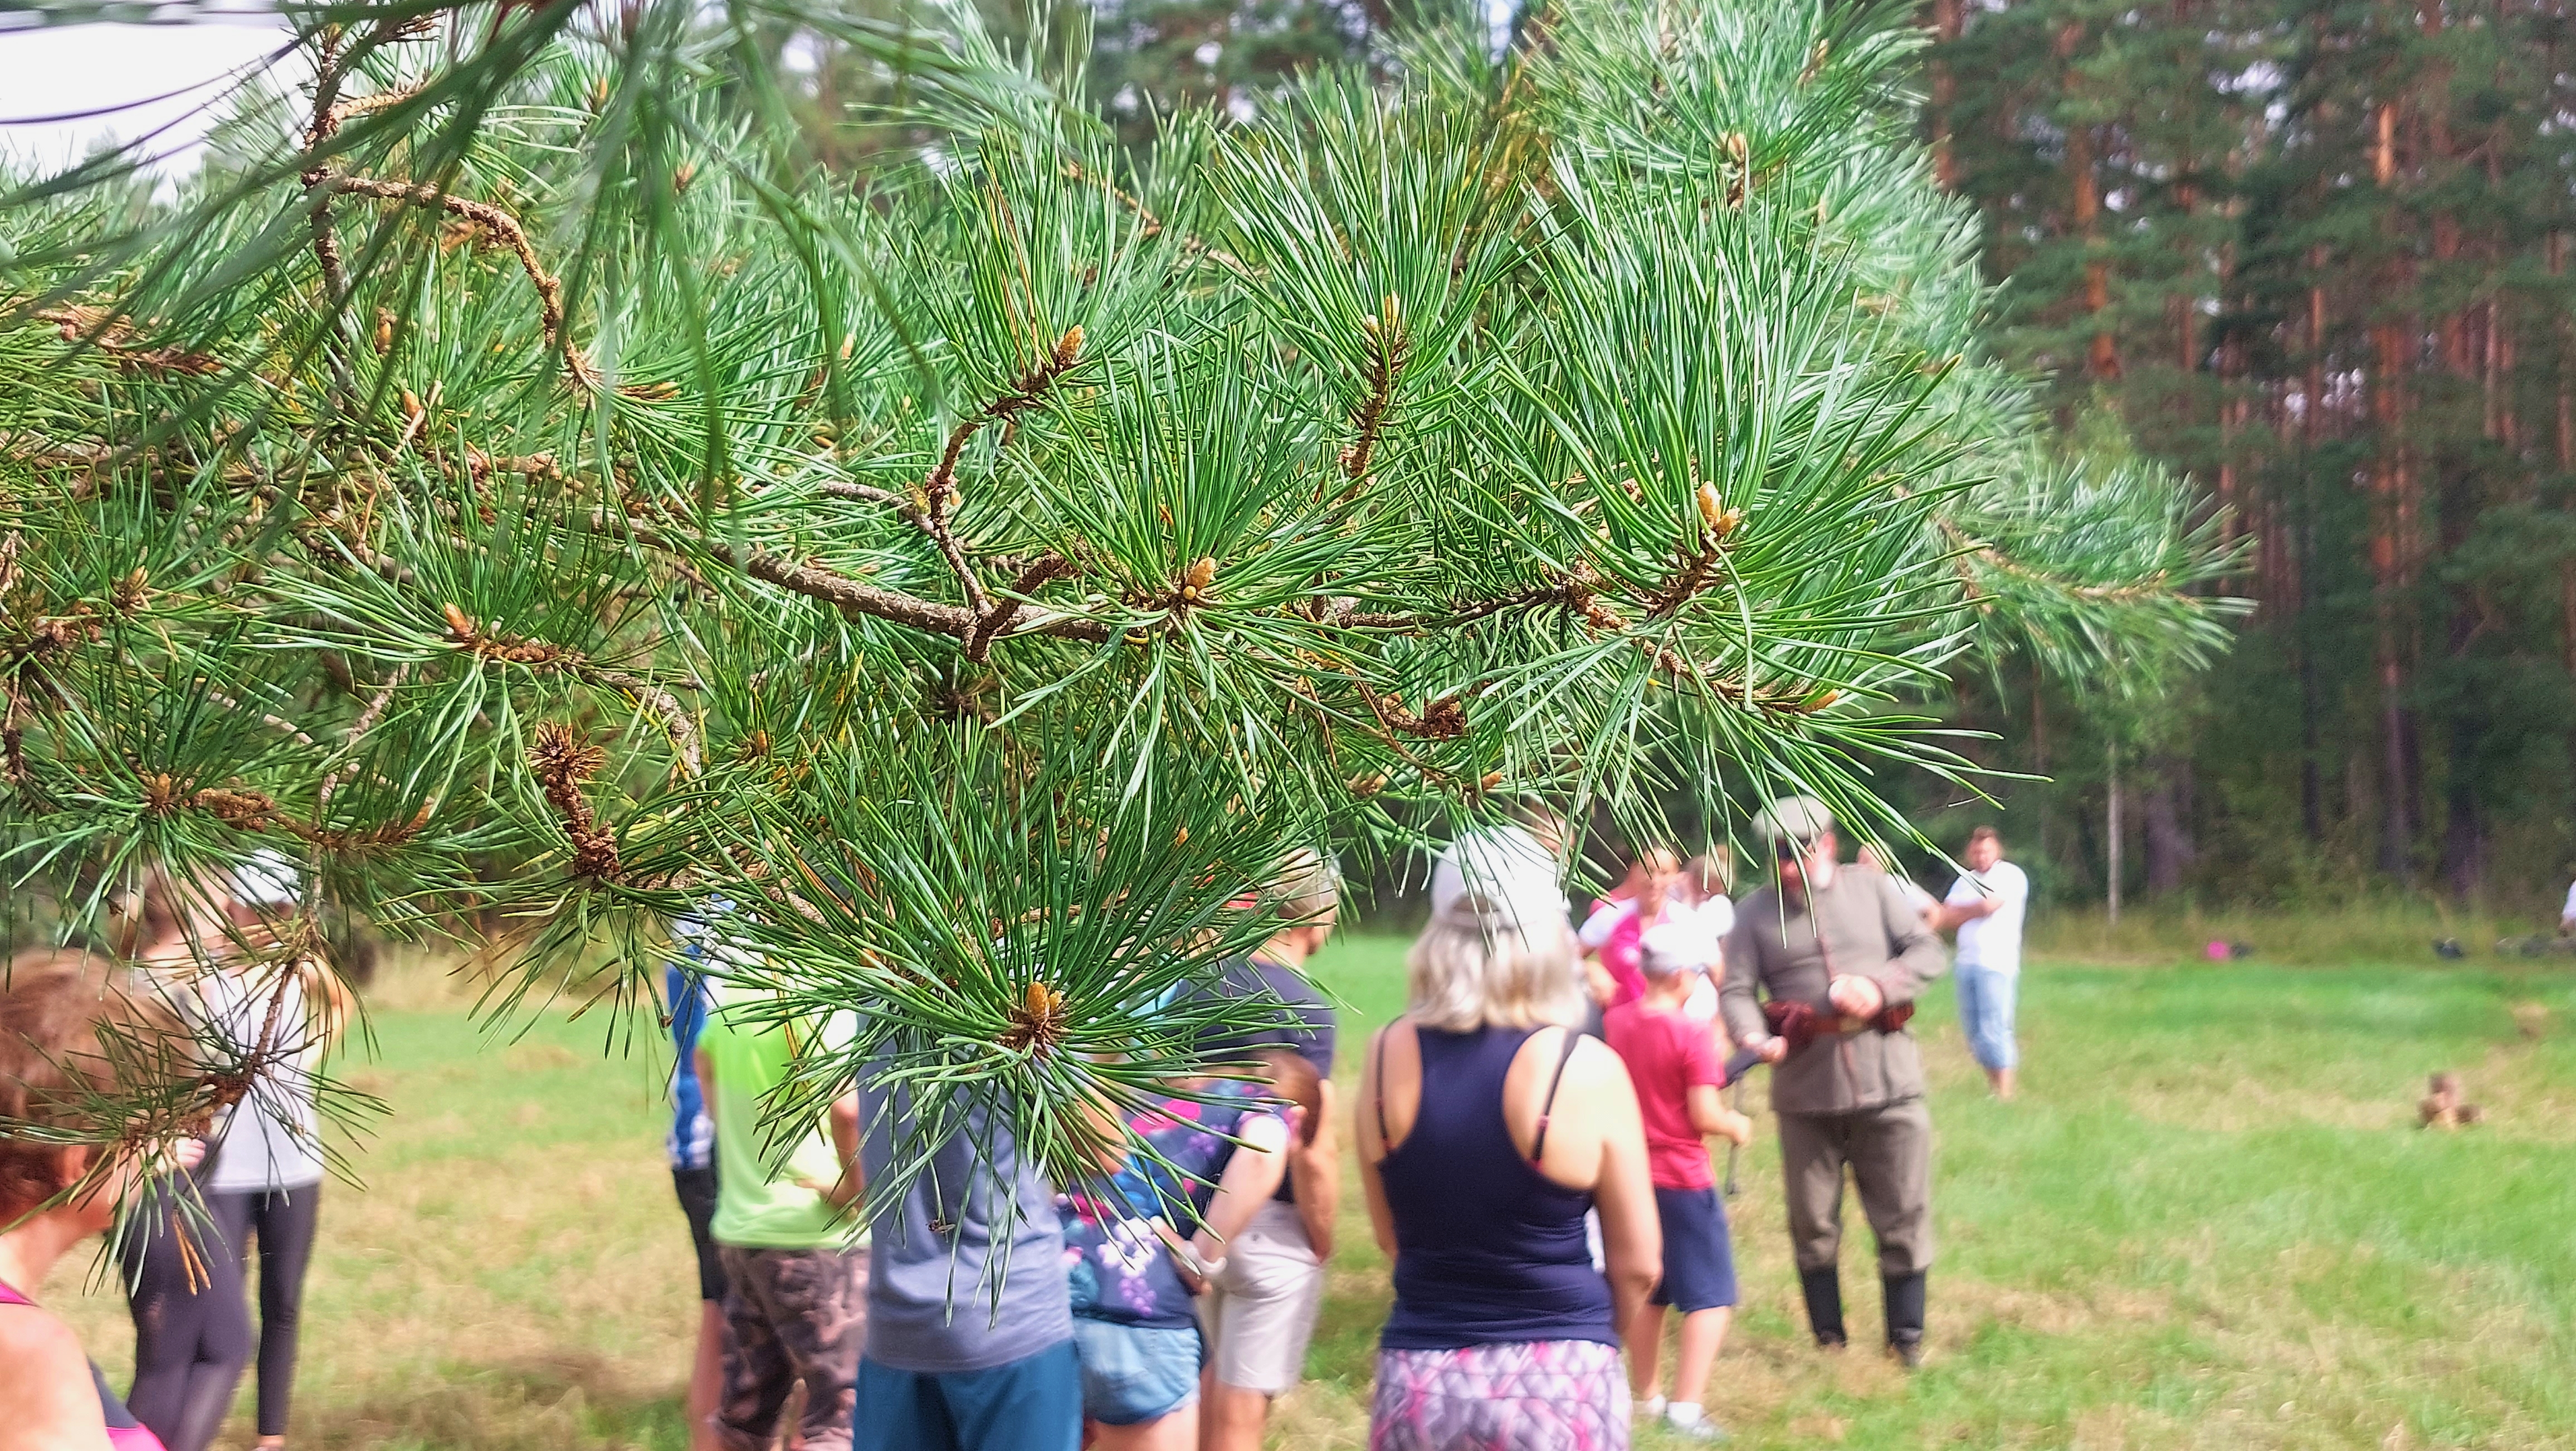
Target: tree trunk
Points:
(2111, 829)
(2102, 357)
(2167, 806)
(2391, 523)
(1948, 23)
(2312, 795)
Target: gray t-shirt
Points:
(969, 1225)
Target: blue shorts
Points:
(1030, 1404)
(1699, 1258)
(1132, 1374)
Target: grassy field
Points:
(2209, 1223)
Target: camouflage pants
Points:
(791, 1315)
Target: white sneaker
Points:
(1691, 1423)
(1647, 1408)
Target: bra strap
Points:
(1378, 1080)
(1538, 1141)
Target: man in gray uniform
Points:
(1839, 954)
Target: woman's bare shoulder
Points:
(28, 1335)
(45, 1379)
(1595, 1068)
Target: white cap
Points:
(268, 879)
(1669, 949)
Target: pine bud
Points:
(1068, 347)
(1711, 508)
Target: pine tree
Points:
(508, 484)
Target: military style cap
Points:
(1798, 819)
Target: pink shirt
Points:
(1613, 930)
(1667, 1055)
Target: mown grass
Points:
(2209, 1223)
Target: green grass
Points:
(2209, 1223)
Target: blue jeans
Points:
(1030, 1404)
(1986, 1015)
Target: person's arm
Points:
(45, 1384)
(853, 1184)
(1915, 957)
(1707, 1076)
(1372, 1148)
(1251, 1176)
(1737, 1003)
(1709, 1115)
(1317, 1169)
(1632, 1236)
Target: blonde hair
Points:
(1305, 891)
(1472, 968)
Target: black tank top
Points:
(1488, 1249)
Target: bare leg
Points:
(1233, 1417)
(2001, 1081)
(1703, 1335)
(1643, 1338)
(706, 1376)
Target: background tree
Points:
(2312, 256)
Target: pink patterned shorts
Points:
(1541, 1395)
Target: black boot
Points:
(1905, 1317)
(1824, 1290)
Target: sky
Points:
(58, 70)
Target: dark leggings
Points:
(191, 1327)
(282, 1221)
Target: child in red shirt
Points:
(1673, 1060)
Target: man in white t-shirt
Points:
(2567, 914)
(1986, 907)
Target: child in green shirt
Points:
(796, 1280)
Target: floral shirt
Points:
(1114, 1265)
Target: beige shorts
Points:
(1260, 1310)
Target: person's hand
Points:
(1598, 982)
(1737, 1129)
(187, 1154)
(840, 1194)
(1855, 997)
(1773, 1048)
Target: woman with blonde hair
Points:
(227, 953)
(1503, 1337)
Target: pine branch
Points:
(493, 222)
(368, 715)
(979, 642)
(1717, 523)
(1387, 348)
(939, 491)
(562, 762)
